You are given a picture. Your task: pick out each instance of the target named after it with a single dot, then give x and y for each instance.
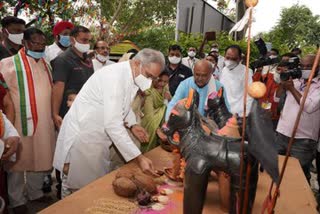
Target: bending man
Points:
(98, 119)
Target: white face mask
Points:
(102, 58)
(15, 38)
(230, 64)
(142, 82)
(191, 54)
(276, 77)
(305, 74)
(83, 48)
(174, 60)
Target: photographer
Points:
(306, 137)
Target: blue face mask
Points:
(64, 41)
(35, 55)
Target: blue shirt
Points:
(183, 92)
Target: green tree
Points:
(127, 16)
(47, 12)
(158, 38)
(297, 27)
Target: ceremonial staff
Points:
(240, 25)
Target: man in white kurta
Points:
(101, 59)
(191, 59)
(233, 79)
(9, 139)
(98, 117)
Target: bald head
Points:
(307, 63)
(309, 58)
(202, 72)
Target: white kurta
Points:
(233, 82)
(220, 63)
(95, 121)
(97, 65)
(52, 51)
(9, 131)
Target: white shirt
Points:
(97, 65)
(233, 82)
(187, 61)
(220, 62)
(52, 52)
(9, 131)
(97, 118)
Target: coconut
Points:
(125, 173)
(257, 89)
(145, 183)
(124, 187)
(251, 3)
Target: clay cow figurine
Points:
(204, 153)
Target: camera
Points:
(264, 61)
(294, 74)
(294, 70)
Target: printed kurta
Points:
(35, 152)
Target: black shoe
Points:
(58, 187)
(46, 187)
(22, 209)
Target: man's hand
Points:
(11, 146)
(167, 96)
(161, 135)
(57, 121)
(288, 85)
(146, 165)
(140, 133)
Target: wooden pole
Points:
(245, 112)
(291, 141)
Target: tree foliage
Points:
(162, 37)
(114, 19)
(158, 38)
(297, 27)
(127, 16)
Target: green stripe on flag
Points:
(23, 112)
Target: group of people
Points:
(74, 110)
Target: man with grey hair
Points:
(98, 119)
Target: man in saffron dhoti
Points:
(28, 77)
